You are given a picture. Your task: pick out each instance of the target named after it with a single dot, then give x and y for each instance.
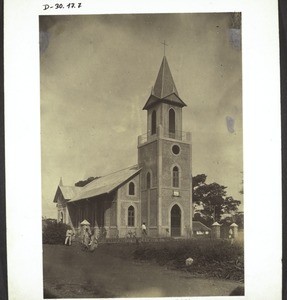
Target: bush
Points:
(53, 232)
(215, 258)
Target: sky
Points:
(97, 72)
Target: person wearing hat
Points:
(69, 234)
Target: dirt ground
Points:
(70, 272)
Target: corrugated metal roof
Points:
(198, 226)
(106, 184)
(69, 191)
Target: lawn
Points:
(211, 258)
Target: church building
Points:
(156, 191)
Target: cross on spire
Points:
(164, 44)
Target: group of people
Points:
(89, 239)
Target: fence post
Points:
(234, 228)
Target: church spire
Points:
(61, 182)
(164, 90)
(164, 84)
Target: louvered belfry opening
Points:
(153, 122)
(171, 123)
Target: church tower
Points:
(164, 156)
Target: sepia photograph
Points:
(142, 155)
(142, 150)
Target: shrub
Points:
(53, 232)
(216, 258)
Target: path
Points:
(70, 272)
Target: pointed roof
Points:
(164, 84)
(164, 89)
(85, 222)
(216, 224)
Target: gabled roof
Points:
(68, 192)
(164, 89)
(106, 184)
(198, 226)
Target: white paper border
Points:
(261, 119)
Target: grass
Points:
(211, 258)
(111, 271)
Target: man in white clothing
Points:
(68, 240)
(144, 233)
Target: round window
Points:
(175, 149)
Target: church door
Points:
(175, 217)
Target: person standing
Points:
(93, 242)
(86, 239)
(69, 234)
(144, 232)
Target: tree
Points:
(82, 183)
(241, 190)
(212, 199)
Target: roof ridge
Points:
(119, 171)
(162, 77)
(104, 176)
(69, 186)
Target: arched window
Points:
(175, 177)
(131, 216)
(175, 220)
(148, 180)
(153, 122)
(131, 188)
(171, 119)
